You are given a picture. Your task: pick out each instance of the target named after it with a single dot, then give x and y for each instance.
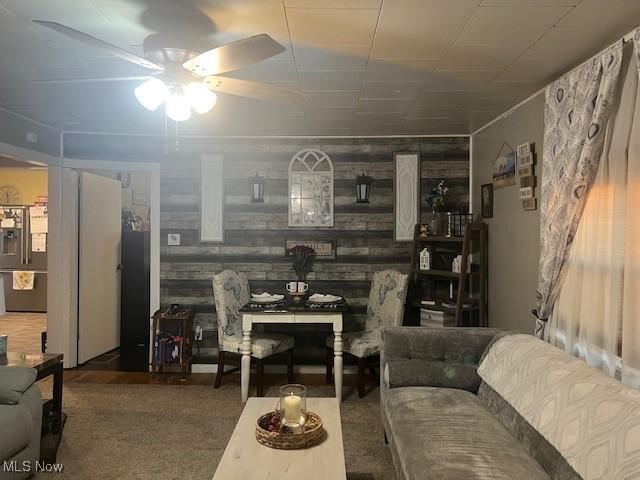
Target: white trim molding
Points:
(406, 192)
(212, 199)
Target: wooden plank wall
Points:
(255, 234)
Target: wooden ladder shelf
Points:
(471, 307)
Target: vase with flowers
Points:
(302, 262)
(436, 200)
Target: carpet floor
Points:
(180, 431)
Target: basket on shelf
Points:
(287, 439)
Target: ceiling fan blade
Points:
(92, 80)
(234, 55)
(99, 44)
(259, 91)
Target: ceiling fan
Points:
(186, 80)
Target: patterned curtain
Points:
(577, 109)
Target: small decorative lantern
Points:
(363, 187)
(256, 188)
(425, 259)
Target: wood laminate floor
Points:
(24, 330)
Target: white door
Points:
(100, 226)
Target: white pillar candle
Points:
(292, 406)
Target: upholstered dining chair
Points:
(385, 309)
(231, 292)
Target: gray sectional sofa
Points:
(20, 421)
(471, 403)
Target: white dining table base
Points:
(258, 317)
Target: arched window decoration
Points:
(311, 189)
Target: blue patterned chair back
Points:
(386, 300)
(231, 292)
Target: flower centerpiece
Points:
(436, 200)
(302, 259)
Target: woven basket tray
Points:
(287, 439)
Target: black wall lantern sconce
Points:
(256, 189)
(363, 187)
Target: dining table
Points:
(291, 311)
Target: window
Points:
(311, 189)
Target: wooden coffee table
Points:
(246, 459)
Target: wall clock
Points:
(10, 195)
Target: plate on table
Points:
(324, 298)
(266, 297)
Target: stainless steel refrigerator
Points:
(17, 254)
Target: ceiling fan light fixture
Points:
(178, 108)
(152, 93)
(201, 99)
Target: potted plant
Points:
(436, 200)
(302, 260)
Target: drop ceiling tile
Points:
(331, 79)
(332, 57)
(534, 70)
(329, 112)
(332, 98)
(490, 104)
(444, 98)
(598, 15)
(424, 123)
(511, 89)
(569, 46)
(431, 111)
(451, 80)
(389, 105)
(509, 25)
(333, 4)
(530, 3)
(377, 118)
(481, 57)
(420, 28)
(127, 19)
(324, 123)
(400, 69)
(236, 20)
(331, 26)
(373, 89)
(272, 70)
(79, 15)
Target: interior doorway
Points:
(24, 224)
(114, 269)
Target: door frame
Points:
(66, 342)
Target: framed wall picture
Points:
(523, 150)
(526, 193)
(139, 198)
(486, 200)
(311, 189)
(526, 160)
(325, 249)
(529, 204)
(504, 167)
(406, 194)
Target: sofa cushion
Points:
(14, 381)
(417, 372)
(16, 427)
(449, 434)
(590, 418)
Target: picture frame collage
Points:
(526, 175)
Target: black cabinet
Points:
(135, 302)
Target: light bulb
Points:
(152, 93)
(178, 108)
(200, 97)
